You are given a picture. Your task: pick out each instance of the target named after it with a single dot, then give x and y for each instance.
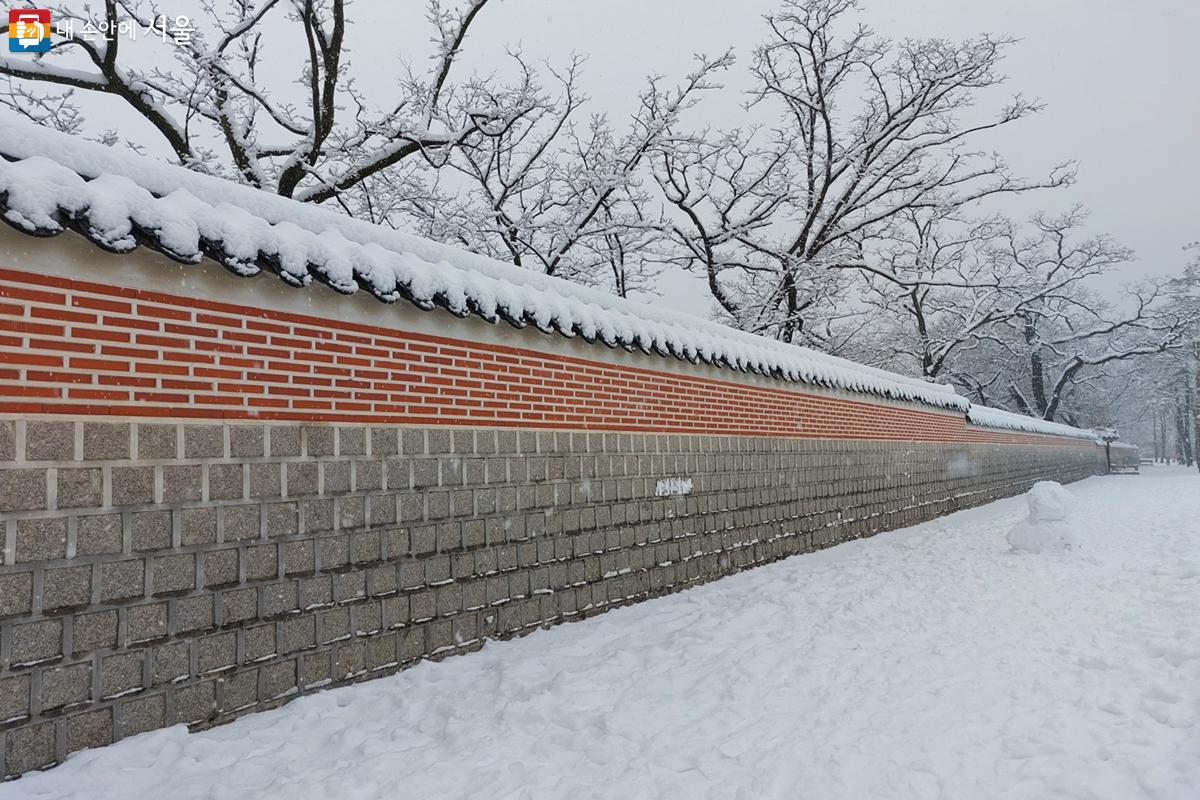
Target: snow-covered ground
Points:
(930, 662)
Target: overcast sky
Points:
(1121, 80)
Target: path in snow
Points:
(927, 663)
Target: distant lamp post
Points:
(1108, 436)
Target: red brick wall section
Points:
(74, 347)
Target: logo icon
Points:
(29, 30)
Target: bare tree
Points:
(867, 129)
(564, 198)
(1064, 337)
(311, 140)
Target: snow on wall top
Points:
(996, 418)
(50, 182)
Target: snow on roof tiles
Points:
(50, 182)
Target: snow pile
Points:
(997, 418)
(1049, 527)
(51, 181)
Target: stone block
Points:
(33, 642)
(122, 580)
(146, 622)
(104, 441)
(203, 441)
(47, 440)
(65, 587)
(157, 441)
(174, 573)
(80, 487)
(63, 686)
(98, 534)
(41, 539)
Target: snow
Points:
(997, 418)
(1049, 526)
(126, 199)
(927, 663)
(672, 486)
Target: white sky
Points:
(1121, 80)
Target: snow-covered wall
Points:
(50, 182)
(218, 493)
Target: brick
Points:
(174, 573)
(121, 674)
(36, 641)
(225, 482)
(105, 441)
(41, 539)
(198, 526)
(16, 593)
(29, 747)
(192, 613)
(132, 485)
(99, 534)
(182, 483)
(221, 567)
(62, 686)
(121, 580)
(203, 441)
(172, 662)
(150, 530)
(146, 622)
(89, 729)
(157, 441)
(65, 587)
(247, 441)
(143, 714)
(14, 697)
(22, 489)
(49, 441)
(93, 631)
(80, 487)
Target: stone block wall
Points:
(217, 495)
(160, 573)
